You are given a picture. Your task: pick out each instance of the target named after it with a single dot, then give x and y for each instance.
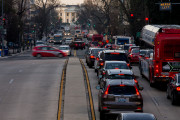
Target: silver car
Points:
(66, 49)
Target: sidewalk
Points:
(75, 105)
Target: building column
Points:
(70, 20)
(64, 16)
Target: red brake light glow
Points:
(101, 64)
(97, 59)
(136, 81)
(115, 53)
(122, 85)
(107, 90)
(120, 74)
(116, 68)
(137, 92)
(92, 56)
(128, 65)
(178, 88)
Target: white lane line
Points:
(155, 101)
(10, 82)
(20, 70)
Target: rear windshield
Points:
(135, 50)
(116, 65)
(122, 90)
(116, 56)
(143, 52)
(64, 48)
(96, 51)
(117, 76)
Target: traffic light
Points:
(89, 24)
(132, 15)
(94, 25)
(4, 21)
(147, 19)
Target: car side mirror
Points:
(141, 88)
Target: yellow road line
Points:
(89, 91)
(75, 53)
(61, 91)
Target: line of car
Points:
(118, 88)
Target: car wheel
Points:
(60, 55)
(167, 94)
(102, 115)
(90, 66)
(173, 99)
(95, 70)
(39, 55)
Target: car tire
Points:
(95, 70)
(38, 55)
(90, 66)
(102, 115)
(173, 100)
(60, 55)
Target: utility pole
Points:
(2, 52)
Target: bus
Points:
(164, 62)
(58, 38)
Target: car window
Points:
(178, 78)
(96, 51)
(143, 52)
(116, 56)
(122, 90)
(116, 65)
(118, 76)
(44, 48)
(50, 48)
(64, 48)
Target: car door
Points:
(52, 52)
(44, 51)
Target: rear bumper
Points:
(162, 79)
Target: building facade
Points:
(68, 13)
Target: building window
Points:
(72, 14)
(67, 14)
(60, 14)
(67, 20)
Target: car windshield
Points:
(143, 52)
(135, 50)
(119, 76)
(96, 51)
(116, 56)
(122, 90)
(116, 66)
(64, 48)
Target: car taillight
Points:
(128, 65)
(178, 88)
(137, 92)
(116, 68)
(135, 81)
(106, 92)
(104, 73)
(76, 44)
(97, 59)
(92, 56)
(102, 63)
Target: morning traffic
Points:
(89, 60)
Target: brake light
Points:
(92, 56)
(104, 73)
(136, 81)
(115, 53)
(169, 59)
(97, 59)
(116, 68)
(76, 44)
(178, 88)
(131, 55)
(128, 65)
(121, 85)
(157, 68)
(146, 58)
(106, 92)
(137, 92)
(139, 108)
(101, 64)
(120, 74)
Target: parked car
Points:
(173, 89)
(136, 116)
(47, 51)
(119, 96)
(66, 49)
(91, 54)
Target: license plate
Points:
(122, 100)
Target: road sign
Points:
(165, 6)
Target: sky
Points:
(72, 2)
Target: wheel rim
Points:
(60, 55)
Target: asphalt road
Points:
(155, 100)
(29, 87)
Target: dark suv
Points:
(111, 55)
(119, 96)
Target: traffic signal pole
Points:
(2, 50)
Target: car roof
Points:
(115, 82)
(120, 71)
(95, 48)
(138, 116)
(112, 51)
(115, 62)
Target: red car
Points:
(47, 51)
(134, 55)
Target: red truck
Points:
(160, 66)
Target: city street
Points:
(29, 88)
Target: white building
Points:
(68, 13)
